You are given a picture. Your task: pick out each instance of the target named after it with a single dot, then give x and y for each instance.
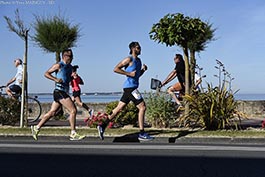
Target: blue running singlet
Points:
(133, 82)
(64, 73)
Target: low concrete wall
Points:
(252, 109)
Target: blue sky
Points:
(108, 26)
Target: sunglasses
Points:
(68, 55)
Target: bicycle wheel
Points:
(34, 109)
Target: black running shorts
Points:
(131, 94)
(16, 89)
(59, 94)
(76, 93)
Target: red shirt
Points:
(75, 84)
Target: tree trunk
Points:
(192, 69)
(58, 58)
(187, 84)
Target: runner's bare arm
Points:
(119, 67)
(48, 73)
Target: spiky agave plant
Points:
(213, 109)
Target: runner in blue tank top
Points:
(136, 65)
(64, 74)
(133, 69)
(61, 96)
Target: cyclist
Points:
(15, 88)
(179, 72)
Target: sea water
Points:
(48, 98)
(105, 98)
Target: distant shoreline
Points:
(113, 96)
(85, 93)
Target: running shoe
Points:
(101, 131)
(34, 132)
(76, 137)
(145, 137)
(91, 112)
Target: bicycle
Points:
(34, 109)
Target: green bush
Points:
(9, 111)
(213, 109)
(129, 115)
(161, 111)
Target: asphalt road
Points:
(21, 156)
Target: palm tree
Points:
(55, 34)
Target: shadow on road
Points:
(133, 137)
(181, 134)
(130, 138)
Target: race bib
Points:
(136, 94)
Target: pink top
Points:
(75, 84)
